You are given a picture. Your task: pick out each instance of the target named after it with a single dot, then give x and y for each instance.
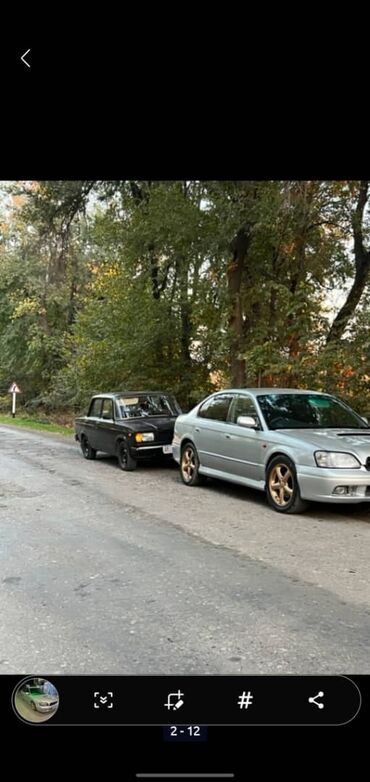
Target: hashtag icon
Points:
(245, 700)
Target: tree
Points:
(183, 285)
(360, 227)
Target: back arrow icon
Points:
(25, 61)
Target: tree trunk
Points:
(182, 269)
(239, 249)
(362, 266)
(306, 194)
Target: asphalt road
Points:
(110, 572)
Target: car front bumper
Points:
(150, 451)
(318, 484)
(45, 709)
(176, 452)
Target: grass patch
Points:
(33, 423)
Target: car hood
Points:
(333, 439)
(152, 424)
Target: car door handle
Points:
(197, 429)
(228, 436)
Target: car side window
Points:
(107, 411)
(242, 405)
(95, 408)
(216, 408)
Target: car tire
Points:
(282, 488)
(189, 466)
(125, 460)
(87, 451)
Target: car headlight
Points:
(336, 459)
(144, 437)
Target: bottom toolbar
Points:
(190, 701)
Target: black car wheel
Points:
(282, 486)
(125, 460)
(189, 465)
(87, 450)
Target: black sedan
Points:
(132, 425)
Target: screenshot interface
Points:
(184, 461)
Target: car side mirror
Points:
(248, 421)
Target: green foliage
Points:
(109, 285)
(25, 422)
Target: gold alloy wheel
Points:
(188, 463)
(281, 484)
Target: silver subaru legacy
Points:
(295, 445)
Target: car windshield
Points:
(307, 411)
(146, 405)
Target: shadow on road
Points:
(320, 511)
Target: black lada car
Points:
(132, 425)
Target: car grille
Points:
(165, 437)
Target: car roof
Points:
(115, 394)
(256, 391)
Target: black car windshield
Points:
(307, 411)
(145, 405)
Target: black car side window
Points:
(216, 408)
(107, 411)
(95, 408)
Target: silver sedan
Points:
(295, 445)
